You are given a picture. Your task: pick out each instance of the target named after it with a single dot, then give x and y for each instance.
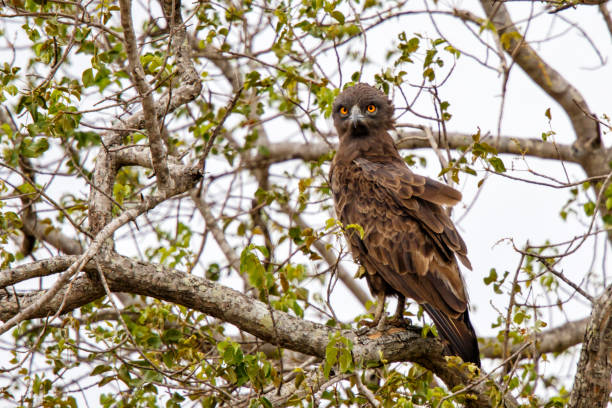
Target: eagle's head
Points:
(362, 110)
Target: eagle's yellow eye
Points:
(343, 110)
(371, 108)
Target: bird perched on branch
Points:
(406, 241)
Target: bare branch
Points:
(35, 269)
(603, 9)
(158, 154)
(232, 74)
(332, 260)
(555, 340)
(228, 110)
(218, 235)
(283, 151)
(547, 78)
(51, 235)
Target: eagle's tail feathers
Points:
(459, 334)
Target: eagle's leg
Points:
(379, 314)
(398, 317)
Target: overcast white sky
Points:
(506, 208)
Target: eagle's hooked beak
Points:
(356, 116)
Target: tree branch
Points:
(127, 275)
(592, 383)
(34, 270)
(588, 140)
(554, 340)
(180, 185)
(603, 9)
(211, 224)
(158, 153)
(283, 151)
(53, 236)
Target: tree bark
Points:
(127, 275)
(592, 384)
(528, 147)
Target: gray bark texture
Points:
(250, 315)
(593, 382)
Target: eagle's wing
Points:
(422, 198)
(398, 178)
(410, 242)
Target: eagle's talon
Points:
(399, 322)
(369, 324)
(382, 323)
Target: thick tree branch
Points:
(507, 145)
(603, 9)
(592, 383)
(158, 153)
(51, 235)
(547, 78)
(555, 340)
(101, 189)
(33, 270)
(181, 185)
(80, 292)
(127, 275)
(189, 88)
(279, 152)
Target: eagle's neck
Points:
(376, 148)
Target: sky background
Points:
(504, 209)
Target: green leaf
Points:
(124, 374)
(497, 164)
(172, 336)
(250, 264)
(299, 377)
(338, 16)
(87, 77)
(330, 223)
(26, 188)
(358, 227)
(519, 317)
(589, 208)
(331, 354)
(492, 277)
(346, 361)
(99, 369)
(30, 148)
(229, 355)
(106, 380)
(265, 402)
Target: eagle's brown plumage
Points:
(410, 245)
